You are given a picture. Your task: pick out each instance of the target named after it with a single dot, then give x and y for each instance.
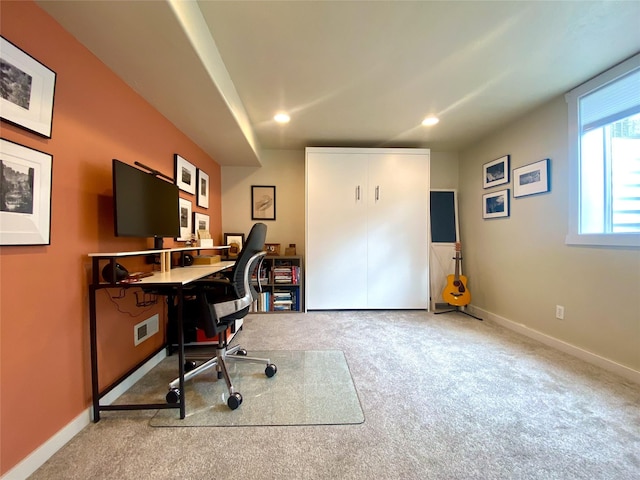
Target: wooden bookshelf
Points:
(281, 282)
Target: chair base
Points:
(223, 354)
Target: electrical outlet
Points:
(559, 312)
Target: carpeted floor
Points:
(443, 396)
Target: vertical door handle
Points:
(377, 192)
(358, 193)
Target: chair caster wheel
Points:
(234, 401)
(241, 352)
(173, 396)
(189, 365)
(271, 370)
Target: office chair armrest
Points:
(229, 307)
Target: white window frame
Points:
(574, 237)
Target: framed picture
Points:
(495, 204)
(235, 242)
(185, 220)
(203, 189)
(25, 195)
(185, 174)
(273, 249)
(200, 222)
(496, 172)
(27, 88)
(263, 202)
(531, 179)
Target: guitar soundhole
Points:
(460, 285)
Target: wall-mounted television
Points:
(144, 205)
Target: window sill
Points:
(605, 240)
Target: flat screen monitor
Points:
(143, 204)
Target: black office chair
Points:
(216, 304)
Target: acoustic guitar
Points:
(456, 291)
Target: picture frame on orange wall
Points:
(203, 189)
(200, 222)
(27, 89)
(185, 220)
(25, 195)
(185, 174)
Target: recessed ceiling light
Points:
(429, 121)
(282, 118)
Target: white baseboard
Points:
(44, 452)
(594, 359)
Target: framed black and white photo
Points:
(200, 222)
(203, 189)
(263, 202)
(26, 90)
(496, 172)
(495, 204)
(185, 174)
(235, 242)
(184, 211)
(531, 179)
(25, 195)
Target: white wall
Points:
(285, 170)
(520, 268)
(444, 170)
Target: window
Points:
(604, 152)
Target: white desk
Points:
(170, 283)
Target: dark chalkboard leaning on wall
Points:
(444, 224)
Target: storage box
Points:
(206, 259)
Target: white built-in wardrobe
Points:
(367, 214)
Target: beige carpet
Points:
(444, 396)
(310, 388)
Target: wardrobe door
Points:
(397, 219)
(336, 242)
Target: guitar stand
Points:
(457, 309)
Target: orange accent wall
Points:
(44, 328)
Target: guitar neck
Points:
(458, 259)
(457, 270)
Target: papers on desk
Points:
(136, 276)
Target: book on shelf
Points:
(282, 300)
(289, 274)
(262, 303)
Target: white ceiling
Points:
(361, 73)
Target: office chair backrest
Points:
(254, 244)
(218, 311)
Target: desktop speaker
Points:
(121, 273)
(187, 260)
